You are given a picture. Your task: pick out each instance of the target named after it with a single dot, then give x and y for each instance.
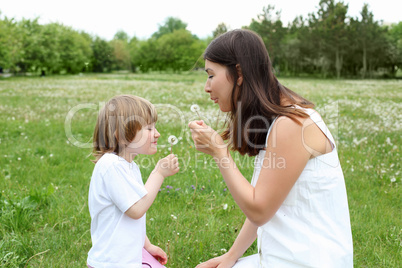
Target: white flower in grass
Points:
(196, 109)
(225, 206)
(388, 141)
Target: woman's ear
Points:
(239, 81)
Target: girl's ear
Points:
(239, 81)
(119, 140)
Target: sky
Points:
(143, 18)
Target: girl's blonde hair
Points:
(118, 122)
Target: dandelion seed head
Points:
(173, 140)
(195, 108)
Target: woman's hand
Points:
(223, 261)
(207, 140)
(157, 253)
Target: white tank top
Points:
(312, 226)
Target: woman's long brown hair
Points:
(257, 101)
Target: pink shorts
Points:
(147, 261)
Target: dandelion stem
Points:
(195, 188)
(217, 120)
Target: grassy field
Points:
(46, 125)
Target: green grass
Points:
(44, 176)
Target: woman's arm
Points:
(285, 158)
(244, 240)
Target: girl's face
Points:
(218, 86)
(145, 141)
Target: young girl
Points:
(296, 204)
(118, 198)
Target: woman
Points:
(296, 204)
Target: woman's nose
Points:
(207, 87)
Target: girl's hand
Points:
(207, 140)
(223, 261)
(167, 166)
(157, 253)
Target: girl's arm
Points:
(155, 251)
(167, 166)
(244, 240)
(285, 158)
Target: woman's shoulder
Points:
(306, 130)
(288, 129)
(288, 123)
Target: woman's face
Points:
(218, 86)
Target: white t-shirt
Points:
(117, 239)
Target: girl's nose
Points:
(157, 134)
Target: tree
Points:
(102, 57)
(75, 50)
(121, 35)
(176, 51)
(133, 47)
(10, 45)
(121, 51)
(395, 48)
(179, 50)
(220, 29)
(366, 33)
(50, 41)
(171, 24)
(272, 32)
(33, 48)
(291, 47)
(331, 28)
(146, 58)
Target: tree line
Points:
(327, 43)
